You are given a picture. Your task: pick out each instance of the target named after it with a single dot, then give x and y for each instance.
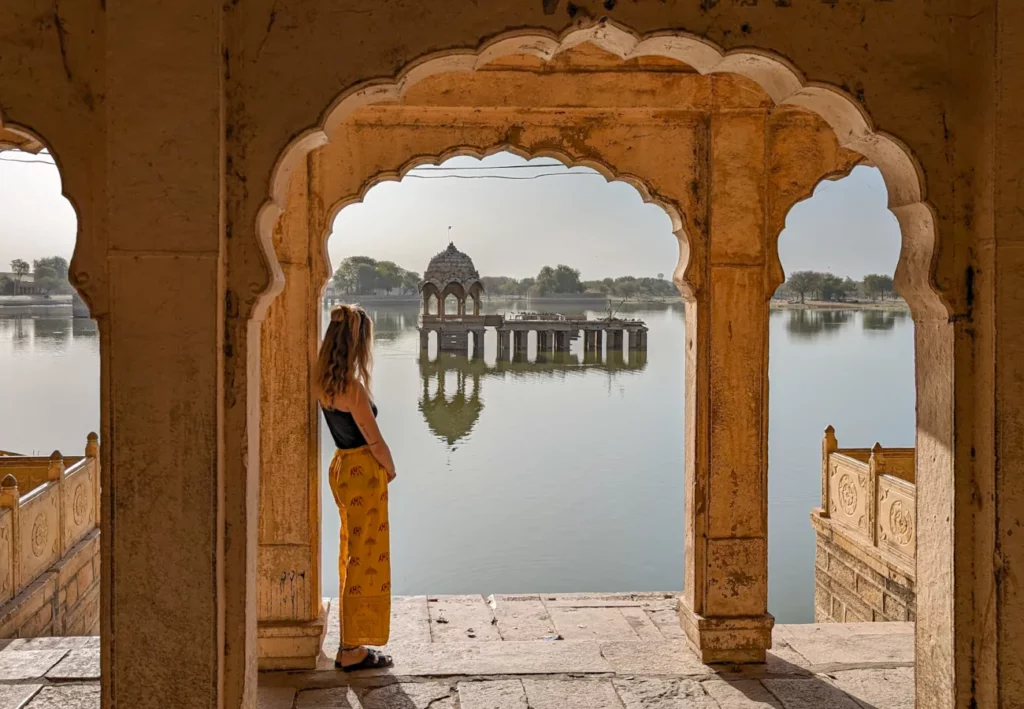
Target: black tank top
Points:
(344, 429)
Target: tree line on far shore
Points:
(565, 280)
(827, 287)
(49, 276)
(362, 275)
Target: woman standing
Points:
(360, 472)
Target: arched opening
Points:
(519, 412)
(726, 524)
(842, 357)
(50, 379)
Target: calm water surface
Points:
(546, 477)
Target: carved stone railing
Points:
(47, 505)
(870, 495)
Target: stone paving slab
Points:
(891, 688)
(56, 643)
(827, 647)
(275, 697)
(641, 623)
(523, 618)
(77, 664)
(655, 693)
(667, 621)
(809, 693)
(498, 694)
(564, 694)
(27, 664)
(741, 694)
(16, 696)
(67, 696)
(457, 619)
(591, 623)
(667, 657)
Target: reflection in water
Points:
(807, 324)
(451, 401)
(882, 319)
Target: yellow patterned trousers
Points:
(360, 487)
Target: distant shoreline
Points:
(603, 301)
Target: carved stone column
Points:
(289, 606)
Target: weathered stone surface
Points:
(559, 694)
(741, 694)
(275, 697)
(591, 623)
(408, 695)
(458, 619)
(15, 696)
(28, 664)
(77, 664)
(667, 621)
(523, 618)
(67, 696)
(499, 658)
(811, 693)
(334, 698)
(410, 620)
(56, 643)
(669, 657)
(641, 624)
(497, 694)
(663, 694)
(833, 644)
(885, 689)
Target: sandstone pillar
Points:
(289, 606)
(724, 608)
(504, 346)
(177, 548)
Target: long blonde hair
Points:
(346, 354)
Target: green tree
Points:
(59, 264)
(877, 286)
(410, 281)
(804, 282)
(6, 286)
(20, 268)
(567, 279)
(389, 275)
(834, 288)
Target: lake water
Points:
(553, 477)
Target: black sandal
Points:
(374, 660)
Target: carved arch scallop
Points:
(780, 79)
(86, 270)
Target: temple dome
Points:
(451, 266)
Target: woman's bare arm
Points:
(358, 403)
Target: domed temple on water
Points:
(452, 278)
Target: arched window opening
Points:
(50, 383)
(504, 377)
(842, 356)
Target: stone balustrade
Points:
(49, 551)
(866, 534)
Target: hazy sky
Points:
(510, 227)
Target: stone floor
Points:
(598, 651)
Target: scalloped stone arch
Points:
(779, 78)
(606, 171)
(34, 143)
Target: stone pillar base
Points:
(289, 645)
(739, 640)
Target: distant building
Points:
(25, 286)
